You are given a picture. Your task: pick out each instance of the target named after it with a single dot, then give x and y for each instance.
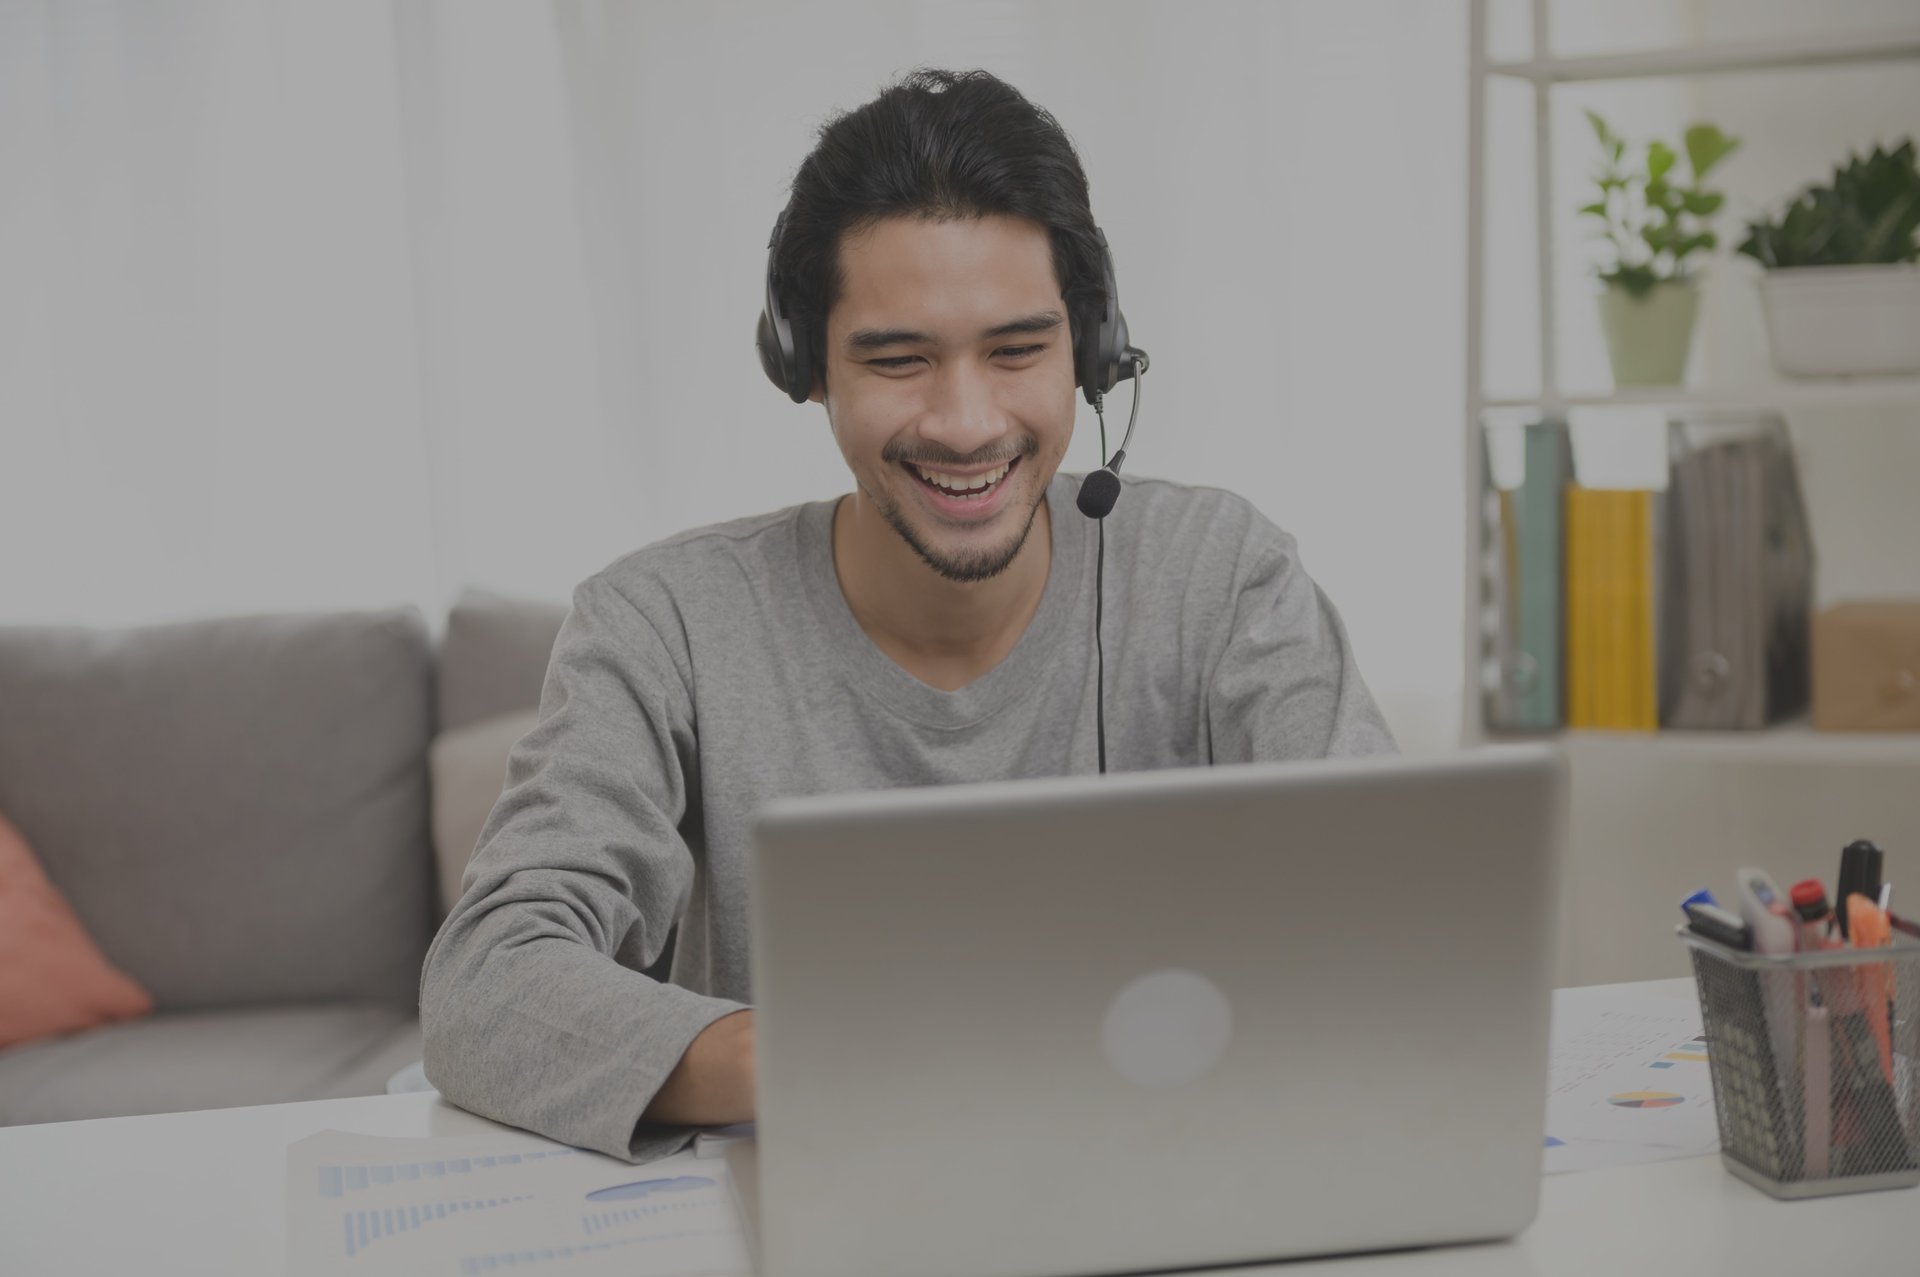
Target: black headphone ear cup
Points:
(785, 353)
(1086, 344)
(800, 371)
(1102, 342)
(768, 345)
(784, 361)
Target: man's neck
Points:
(945, 633)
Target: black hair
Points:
(939, 145)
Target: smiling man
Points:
(936, 261)
(950, 390)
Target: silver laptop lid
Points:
(1157, 1020)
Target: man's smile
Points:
(968, 494)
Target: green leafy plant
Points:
(1870, 213)
(1652, 222)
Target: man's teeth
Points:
(955, 483)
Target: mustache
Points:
(932, 454)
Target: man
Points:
(934, 626)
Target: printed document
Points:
(376, 1204)
(1629, 1080)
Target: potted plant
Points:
(1842, 282)
(1653, 225)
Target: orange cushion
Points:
(53, 979)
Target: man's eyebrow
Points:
(1045, 321)
(878, 338)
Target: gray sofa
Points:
(243, 814)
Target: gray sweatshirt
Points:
(699, 677)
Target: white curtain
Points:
(208, 380)
(294, 311)
(314, 304)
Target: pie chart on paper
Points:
(1646, 1099)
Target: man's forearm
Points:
(713, 1083)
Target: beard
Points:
(972, 565)
(969, 566)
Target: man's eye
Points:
(1011, 352)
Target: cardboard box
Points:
(1866, 667)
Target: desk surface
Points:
(146, 1194)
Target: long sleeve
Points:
(1286, 685)
(532, 1002)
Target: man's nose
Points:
(963, 413)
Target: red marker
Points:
(1811, 908)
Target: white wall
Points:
(336, 305)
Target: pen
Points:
(1817, 1055)
(1811, 908)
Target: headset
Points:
(1102, 359)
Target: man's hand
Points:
(713, 1083)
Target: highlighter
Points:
(1776, 933)
(1867, 924)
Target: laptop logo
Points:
(1167, 1028)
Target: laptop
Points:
(1158, 1020)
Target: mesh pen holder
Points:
(1815, 1060)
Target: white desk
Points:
(120, 1195)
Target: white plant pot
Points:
(1648, 337)
(1843, 321)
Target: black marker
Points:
(1718, 925)
(1861, 863)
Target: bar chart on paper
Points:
(361, 1229)
(343, 1179)
(371, 1204)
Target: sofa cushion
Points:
(208, 1059)
(236, 809)
(53, 978)
(469, 769)
(493, 659)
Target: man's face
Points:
(950, 382)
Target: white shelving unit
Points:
(1655, 815)
(1811, 51)
(1833, 392)
(1544, 71)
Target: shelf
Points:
(1810, 51)
(1892, 758)
(1826, 392)
(1791, 743)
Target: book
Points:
(1735, 627)
(1582, 560)
(1524, 584)
(1642, 711)
(1613, 581)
